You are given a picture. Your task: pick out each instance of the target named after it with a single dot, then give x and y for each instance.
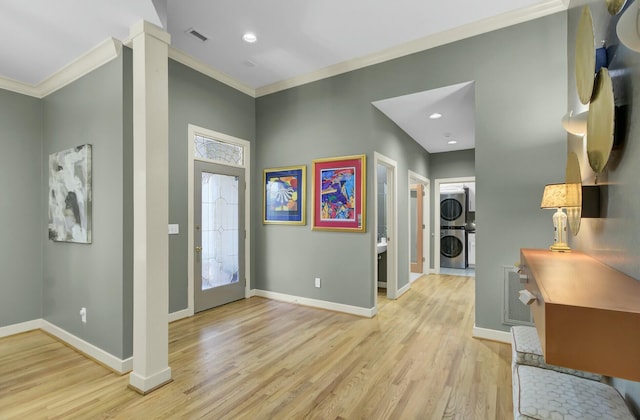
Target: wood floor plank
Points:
(263, 359)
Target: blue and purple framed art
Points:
(339, 198)
(284, 195)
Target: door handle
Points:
(198, 249)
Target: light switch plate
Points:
(174, 229)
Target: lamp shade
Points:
(560, 195)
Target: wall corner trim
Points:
(316, 303)
(117, 365)
(493, 335)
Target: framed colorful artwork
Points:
(284, 195)
(339, 197)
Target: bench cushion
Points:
(526, 350)
(547, 394)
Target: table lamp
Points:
(560, 196)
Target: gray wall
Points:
(90, 110)
(328, 118)
(520, 95)
(460, 163)
(520, 76)
(20, 251)
(197, 99)
(613, 238)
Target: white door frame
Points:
(436, 215)
(392, 227)
(426, 236)
(194, 130)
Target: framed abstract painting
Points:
(70, 195)
(339, 196)
(284, 195)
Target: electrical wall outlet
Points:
(83, 315)
(317, 281)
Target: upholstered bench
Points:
(526, 350)
(547, 394)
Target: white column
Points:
(150, 208)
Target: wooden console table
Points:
(587, 314)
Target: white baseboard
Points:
(382, 284)
(493, 335)
(146, 384)
(250, 293)
(20, 328)
(177, 315)
(118, 365)
(403, 290)
(315, 303)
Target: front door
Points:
(219, 235)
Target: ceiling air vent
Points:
(194, 33)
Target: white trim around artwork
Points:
(316, 303)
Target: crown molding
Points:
(19, 87)
(207, 70)
(98, 56)
(467, 31)
(111, 48)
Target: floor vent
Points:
(514, 311)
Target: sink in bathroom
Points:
(382, 247)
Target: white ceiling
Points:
(298, 40)
(455, 104)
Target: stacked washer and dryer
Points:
(453, 235)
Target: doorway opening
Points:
(454, 226)
(217, 274)
(386, 228)
(419, 226)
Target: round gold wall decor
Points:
(573, 179)
(614, 6)
(600, 122)
(585, 56)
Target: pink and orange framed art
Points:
(339, 196)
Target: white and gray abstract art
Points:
(70, 195)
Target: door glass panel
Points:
(212, 149)
(220, 256)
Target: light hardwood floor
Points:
(262, 359)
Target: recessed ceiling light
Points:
(435, 116)
(451, 142)
(249, 37)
